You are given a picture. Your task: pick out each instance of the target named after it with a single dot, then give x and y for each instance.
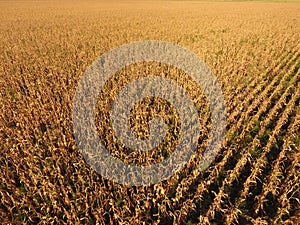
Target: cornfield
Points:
(252, 49)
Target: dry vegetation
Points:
(253, 50)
